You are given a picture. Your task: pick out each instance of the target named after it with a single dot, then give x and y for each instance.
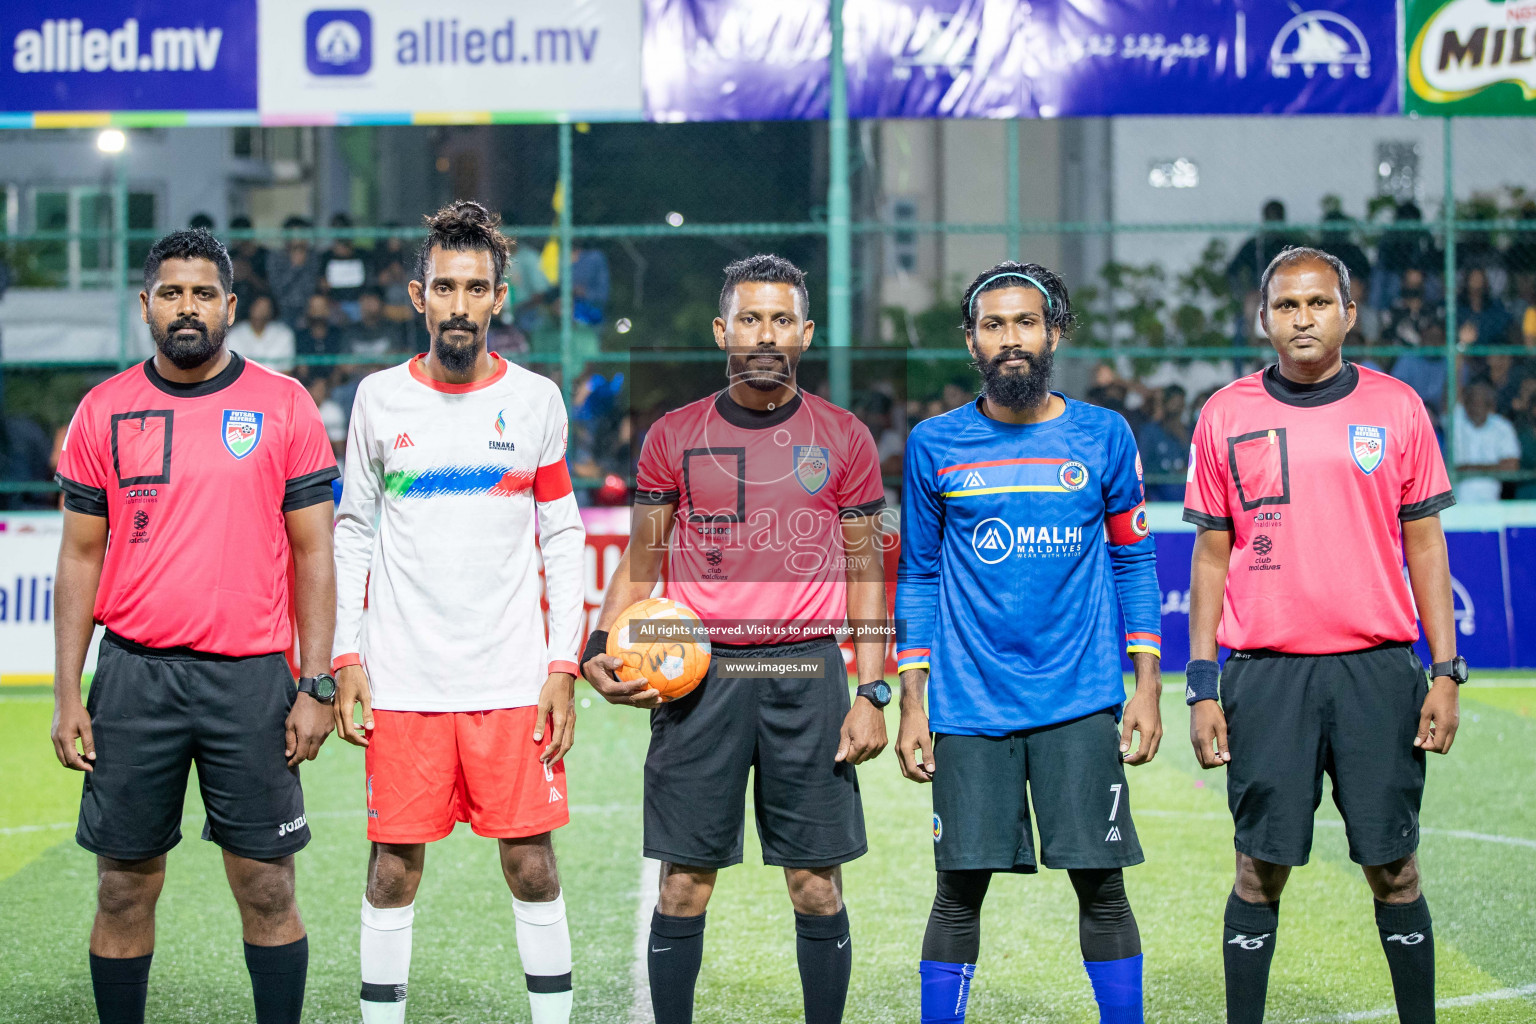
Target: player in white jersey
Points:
(453, 459)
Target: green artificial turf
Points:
(1478, 856)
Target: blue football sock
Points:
(1117, 988)
(946, 988)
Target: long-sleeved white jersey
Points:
(437, 573)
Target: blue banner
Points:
(743, 60)
(99, 55)
(1493, 580)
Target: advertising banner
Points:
(518, 60)
(737, 59)
(94, 55)
(1471, 56)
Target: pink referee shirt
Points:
(760, 500)
(1315, 496)
(193, 480)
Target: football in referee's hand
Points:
(663, 643)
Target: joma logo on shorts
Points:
(292, 826)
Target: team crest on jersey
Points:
(813, 466)
(1367, 444)
(242, 431)
(1073, 475)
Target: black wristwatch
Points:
(879, 694)
(321, 687)
(1456, 668)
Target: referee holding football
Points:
(189, 480)
(1310, 482)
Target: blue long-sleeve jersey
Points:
(1016, 541)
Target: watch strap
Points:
(1455, 669)
(872, 692)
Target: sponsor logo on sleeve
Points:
(242, 431)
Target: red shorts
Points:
(429, 770)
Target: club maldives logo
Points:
(1366, 445)
(1467, 46)
(242, 431)
(1316, 40)
(338, 42)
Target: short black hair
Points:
(190, 244)
(464, 226)
(1010, 274)
(240, 222)
(201, 220)
(1274, 210)
(1294, 254)
(764, 268)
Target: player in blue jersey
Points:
(1023, 543)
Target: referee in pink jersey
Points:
(1309, 483)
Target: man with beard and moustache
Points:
(775, 498)
(453, 458)
(189, 482)
(1022, 528)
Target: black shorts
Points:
(1291, 718)
(155, 711)
(808, 809)
(983, 786)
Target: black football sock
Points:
(1409, 942)
(277, 980)
(824, 948)
(676, 952)
(121, 986)
(1248, 946)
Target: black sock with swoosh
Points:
(1408, 939)
(824, 949)
(676, 952)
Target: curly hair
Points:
(190, 244)
(1012, 274)
(464, 226)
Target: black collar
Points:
(1309, 396)
(754, 419)
(196, 389)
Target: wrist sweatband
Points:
(597, 643)
(1201, 681)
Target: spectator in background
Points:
(1522, 310)
(343, 271)
(1255, 254)
(589, 285)
(1406, 247)
(262, 337)
(248, 249)
(878, 412)
(1505, 374)
(373, 334)
(318, 337)
(1481, 317)
(1164, 444)
(294, 275)
(1337, 239)
(1414, 322)
(1522, 414)
(201, 220)
(1484, 442)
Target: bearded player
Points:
(1024, 541)
(763, 500)
(457, 456)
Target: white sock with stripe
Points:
(386, 962)
(544, 944)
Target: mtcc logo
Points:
(992, 540)
(1315, 39)
(339, 42)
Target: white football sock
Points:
(544, 944)
(386, 961)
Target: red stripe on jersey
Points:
(419, 372)
(1128, 527)
(1133, 637)
(551, 482)
(1003, 462)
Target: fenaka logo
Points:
(1470, 45)
(338, 42)
(242, 431)
(1320, 40)
(501, 426)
